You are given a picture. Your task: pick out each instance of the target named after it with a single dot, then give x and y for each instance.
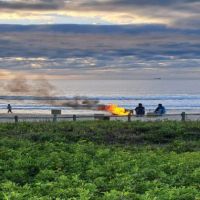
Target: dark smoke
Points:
(23, 86)
(42, 88)
(81, 102)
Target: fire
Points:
(115, 110)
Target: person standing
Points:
(9, 107)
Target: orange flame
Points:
(115, 110)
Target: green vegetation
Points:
(100, 160)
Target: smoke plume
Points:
(23, 86)
(42, 88)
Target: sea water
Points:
(176, 95)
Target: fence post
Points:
(129, 118)
(183, 116)
(74, 118)
(16, 119)
(54, 118)
(106, 118)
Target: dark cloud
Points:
(192, 22)
(131, 4)
(89, 4)
(146, 2)
(32, 5)
(98, 50)
(66, 41)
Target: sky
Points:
(176, 13)
(109, 39)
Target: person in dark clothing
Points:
(160, 110)
(9, 108)
(140, 110)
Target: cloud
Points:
(32, 5)
(86, 4)
(170, 12)
(86, 51)
(148, 11)
(68, 41)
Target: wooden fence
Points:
(39, 117)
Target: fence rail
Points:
(39, 117)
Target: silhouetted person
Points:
(140, 110)
(160, 110)
(9, 108)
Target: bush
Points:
(99, 160)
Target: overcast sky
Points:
(162, 39)
(176, 13)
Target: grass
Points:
(100, 160)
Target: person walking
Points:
(9, 107)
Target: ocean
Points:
(176, 95)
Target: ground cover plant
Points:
(100, 160)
